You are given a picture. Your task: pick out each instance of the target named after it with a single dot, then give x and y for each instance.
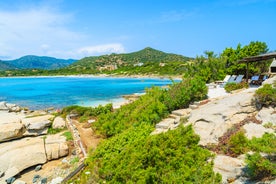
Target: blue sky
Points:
(79, 28)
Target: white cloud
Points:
(101, 49)
(43, 31)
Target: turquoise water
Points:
(58, 92)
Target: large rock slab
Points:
(255, 130)
(12, 130)
(15, 156)
(267, 115)
(59, 123)
(56, 147)
(37, 125)
(212, 120)
(229, 168)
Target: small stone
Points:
(36, 178)
(10, 180)
(43, 181)
(37, 168)
(64, 161)
(19, 182)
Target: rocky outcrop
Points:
(267, 115)
(4, 106)
(15, 156)
(37, 125)
(228, 167)
(18, 155)
(12, 130)
(212, 120)
(56, 147)
(255, 130)
(59, 123)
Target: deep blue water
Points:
(58, 92)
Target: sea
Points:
(57, 92)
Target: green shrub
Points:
(180, 95)
(238, 144)
(86, 113)
(68, 136)
(267, 143)
(234, 86)
(52, 130)
(260, 168)
(265, 96)
(135, 156)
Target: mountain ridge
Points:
(147, 54)
(36, 62)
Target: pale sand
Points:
(216, 92)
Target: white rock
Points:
(255, 130)
(56, 147)
(228, 167)
(15, 156)
(59, 123)
(3, 106)
(37, 125)
(57, 180)
(212, 120)
(12, 130)
(19, 182)
(267, 115)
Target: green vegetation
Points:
(265, 96)
(37, 62)
(260, 168)
(153, 62)
(152, 107)
(235, 86)
(232, 57)
(131, 155)
(52, 130)
(86, 113)
(68, 136)
(136, 157)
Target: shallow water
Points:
(58, 92)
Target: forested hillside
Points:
(39, 62)
(114, 61)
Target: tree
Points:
(232, 57)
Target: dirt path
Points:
(87, 136)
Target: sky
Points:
(80, 28)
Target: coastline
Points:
(117, 101)
(100, 76)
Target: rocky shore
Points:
(24, 142)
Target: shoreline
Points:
(100, 76)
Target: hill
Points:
(39, 62)
(114, 61)
(5, 66)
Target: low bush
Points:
(265, 96)
(238, 144)
(68, 136)
(259, 167)
(235, 86)
(135, 156)
(86, 113)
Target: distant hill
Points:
(38, 62)
(119, 60)
(5, 66)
